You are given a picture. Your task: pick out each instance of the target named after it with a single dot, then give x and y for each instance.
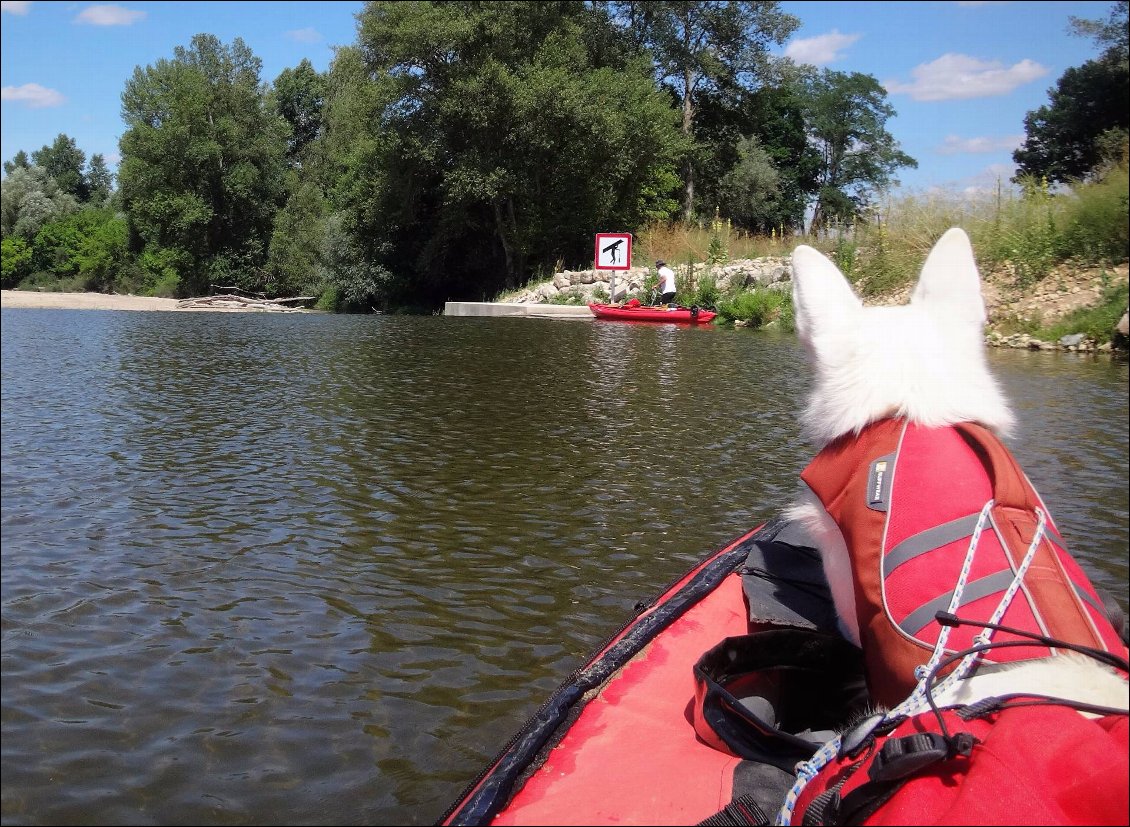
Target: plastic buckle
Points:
(900, 757)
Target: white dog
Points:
(922, 364)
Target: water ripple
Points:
(318, 569)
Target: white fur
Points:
(1069, 676)
(924, 362)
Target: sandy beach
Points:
(103, 301)
(82, 301)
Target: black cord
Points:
(952, 620)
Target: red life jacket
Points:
(907, 499)
(1036, 765)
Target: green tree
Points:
(752, 189)
(501, 136)
(1113, 34)
(201, 175)
(299, 96)
(15, 261)
(704, 45)
(100, 180)
(19, 161)
(773, 116)
(102, 253)
(294, 260)
(1088, 112)
(29, 199)
(846, 118)
(89, 244)
(64, 162)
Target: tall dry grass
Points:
(1029, 229)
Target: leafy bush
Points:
(756, 308)
(15, 261)
(705, 294)
(567, 297)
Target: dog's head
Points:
(924, 361)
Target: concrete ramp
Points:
(531, 309)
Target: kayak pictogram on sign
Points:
(613, 251)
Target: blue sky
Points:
(960, 75)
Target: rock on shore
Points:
(1064, 290)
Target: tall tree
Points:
(1088, 110)
(202, 165)
(772, 116)
(64, 162)
(846, 117)
(1113, 34)
(505, 139)
(19, 160)
(100, 180)
(299, 95)
(704, 45)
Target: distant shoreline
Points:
(106, 301)
(82, 301)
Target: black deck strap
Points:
(764, 783)
(741, 811)
(825, 808)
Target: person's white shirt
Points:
(666, 280)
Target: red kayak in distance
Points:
(647, 313)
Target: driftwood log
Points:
(233, 302)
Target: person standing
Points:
(666, 282)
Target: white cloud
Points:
(307, 35)
(15, 6)
(954, 145)
(109, 16)
(33, 95)
(821, 49)
(959, 77)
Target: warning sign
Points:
(613, 251)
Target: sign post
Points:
(614, 253)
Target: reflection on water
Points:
(306, 569)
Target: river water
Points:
(306, 569)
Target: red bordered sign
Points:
(613, 251)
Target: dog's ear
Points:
(822, 297)
(949, 282)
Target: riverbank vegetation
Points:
(1021, 239)
(457, 150)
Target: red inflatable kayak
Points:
(616, 745)
(648, 313)
(698, 710)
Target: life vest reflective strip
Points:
(906, 499)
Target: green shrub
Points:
(757, 308)
(571, 296)
(705, 294)
(328, 300)
(15, 261)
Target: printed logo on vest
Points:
(879, 483)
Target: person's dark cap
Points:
(661, 263)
